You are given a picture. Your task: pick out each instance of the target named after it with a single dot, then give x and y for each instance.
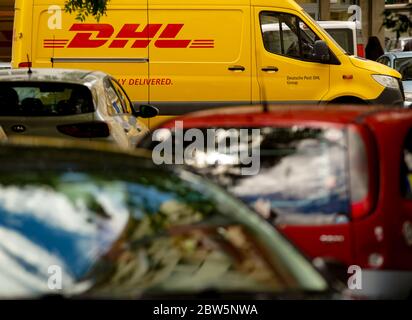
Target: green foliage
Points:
(85, 8)
(398, 23)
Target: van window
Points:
(302, 177)
(44, 99)
(287, 35)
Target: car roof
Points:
(50, 75)
(256, 115)
(399, 54)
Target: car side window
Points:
(119, 101)
(287, 35)
(385, 61)
(406, 71)
(406, 167)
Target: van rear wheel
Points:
(348, 100)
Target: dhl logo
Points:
(98, 35)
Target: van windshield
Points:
(44, 99)
(308, 16)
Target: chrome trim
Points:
(102, 60)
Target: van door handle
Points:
(270, 69)
(236, 68)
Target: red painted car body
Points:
(377, 233)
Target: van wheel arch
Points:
(348, 100)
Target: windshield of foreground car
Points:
(44, 99)
(118, 234)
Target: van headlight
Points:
(386, 81)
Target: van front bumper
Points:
(390, 97)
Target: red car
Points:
(336, 180)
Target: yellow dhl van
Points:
(183, 55)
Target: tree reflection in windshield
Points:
(302, 173)
(191, 259)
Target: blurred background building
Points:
(370, 15)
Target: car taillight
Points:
(26, 64)
(85, 129)
(361, 50)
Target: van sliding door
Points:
(200, 58)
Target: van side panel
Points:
(117, 44)
(206, 59)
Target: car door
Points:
(284, 53)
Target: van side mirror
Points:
(321, 52)
(146, 111)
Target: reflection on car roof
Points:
(50, 75)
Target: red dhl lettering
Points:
(146, 81)
(90, 35)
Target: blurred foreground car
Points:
(112, 225)
(402, 62)
(68, 103)
(336, 180)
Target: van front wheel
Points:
(348, 100)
